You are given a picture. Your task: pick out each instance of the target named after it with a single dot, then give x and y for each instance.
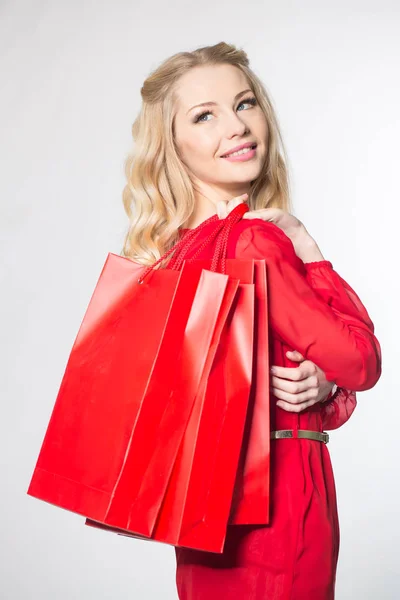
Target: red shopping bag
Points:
(142, 496)
(250, 503)
(201, 516)
(122, 386)
(197, 504)
(195, 510)
(140, 500)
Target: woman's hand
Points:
(298, 388)
(304, 245)
(284, 220)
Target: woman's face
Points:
(230, 118)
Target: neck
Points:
(198, 217)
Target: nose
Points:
(233, 125)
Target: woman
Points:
(198, 108)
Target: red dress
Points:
(312, 310)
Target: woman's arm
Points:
(301, 387)
(337, 403)
(338, 336)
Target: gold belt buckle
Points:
(282, 434)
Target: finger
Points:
(238, 200)
(295, 408)
(305, 369)
(294, 355)
(234, 202)
(298, 398)
(295, 387)
(222, 210)
(267, 214)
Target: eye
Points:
(251, 100)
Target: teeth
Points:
(242, 151)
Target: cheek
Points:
(199, 149)
(203, 142)
(261, 129)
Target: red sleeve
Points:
(336, 333)
(335, 291)
(338, 409)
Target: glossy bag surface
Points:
(150, 484)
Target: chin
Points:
(245, 177)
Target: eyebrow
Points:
(215, 103)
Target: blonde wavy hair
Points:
(159, 196)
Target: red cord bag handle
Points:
(222, 231)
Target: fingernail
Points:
(273, 370)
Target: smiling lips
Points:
(241, 150)
(243, 155)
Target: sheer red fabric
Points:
(312, 310)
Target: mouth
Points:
(243, 150)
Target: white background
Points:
(71, 74)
